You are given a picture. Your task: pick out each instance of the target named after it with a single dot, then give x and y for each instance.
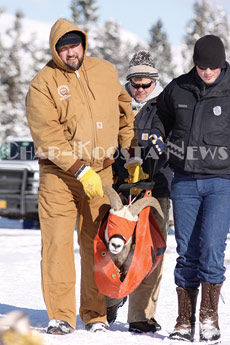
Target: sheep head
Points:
(122, 219)
(119, 230)
(116, 243)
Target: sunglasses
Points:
(204, 68)
(138, 86)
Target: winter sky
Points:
(133, 15)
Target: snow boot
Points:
(209, 327)
(59, 327)
(95, 327)
(185, 325)
(112, 309)
(144, 326)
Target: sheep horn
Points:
(114, 198)
(140, 204)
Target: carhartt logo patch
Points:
(63, 91)
(182, 106)
(144, 136)
(99, 125)
(217, 110)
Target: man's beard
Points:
(78, 65)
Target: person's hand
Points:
(157, 142)
(92, 184)
(136, 173)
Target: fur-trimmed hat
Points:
(72, 37)
(209, 52)
(142, 65)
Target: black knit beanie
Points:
(209, 52)
(72, 37)
(142, 65)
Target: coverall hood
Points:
(60, 28)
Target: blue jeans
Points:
(201, 210)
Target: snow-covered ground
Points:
(20, 290)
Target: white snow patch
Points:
(20, 289)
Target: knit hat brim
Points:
(142, 71)
(209, 52)
(72, 37)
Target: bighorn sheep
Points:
(119, 246)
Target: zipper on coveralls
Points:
(90, 111)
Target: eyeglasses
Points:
(138, 86)
(204, 68)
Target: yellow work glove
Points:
(91, 182)
(136, 173)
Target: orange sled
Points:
(148, 251)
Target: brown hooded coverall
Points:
(74, 115)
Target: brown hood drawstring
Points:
(87, 80)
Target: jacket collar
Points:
(191, 82)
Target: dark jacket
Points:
(163, 175)
(199, 121)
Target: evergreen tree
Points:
(160, 49)
(112, 47)
(39, 54)
(84, 13)
(1, 53)
(207, 19)
(12, 83)
(109, 43)
(105, 40)
(18, 65)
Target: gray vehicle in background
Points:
(19, 179)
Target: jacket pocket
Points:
(216, 139)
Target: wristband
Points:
(81, 171)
